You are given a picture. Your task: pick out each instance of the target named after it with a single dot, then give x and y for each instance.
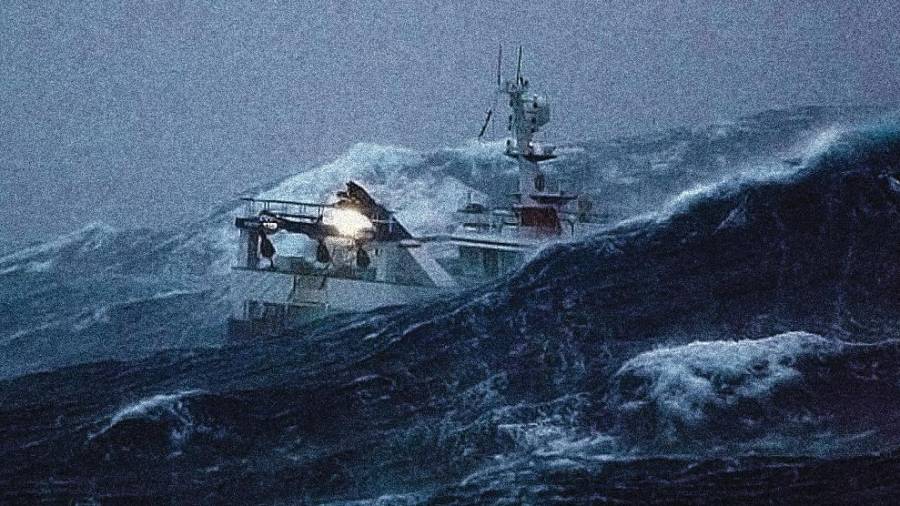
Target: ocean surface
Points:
(730, 337)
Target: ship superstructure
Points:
(354, 255)
(494, 240)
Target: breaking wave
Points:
(155, 408)
(748, 338)
(793, 393)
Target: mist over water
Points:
(149, 115)
(111, 292)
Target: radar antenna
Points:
(486, 121)
(499, 62)
(519, 66)
(490, 112)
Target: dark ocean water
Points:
(738, 345)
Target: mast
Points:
(529, 113)
(519, 66)
(499, 62)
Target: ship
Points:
(353, 254)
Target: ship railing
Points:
(487, 222)
(506, 224)
(254, 206)
(301, 266)
(296, 209)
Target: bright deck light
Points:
(348, 222)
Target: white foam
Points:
(684, 381)
(753, 173)
(91, 236)
(424, 201)
(821, 142)
(44, 266)
(90, 318)
(757, 173)
(170, 403)
(24, 332)
(483, 150)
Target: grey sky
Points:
(142, 112)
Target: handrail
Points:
(318, 205)
(289, 202)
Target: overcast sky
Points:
(143, 112)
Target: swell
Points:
(53, 285)
(534, 366)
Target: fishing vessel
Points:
(355, 255)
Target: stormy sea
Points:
(731, 336)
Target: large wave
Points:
(573, 377)
(794, 393)
(96, 293)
